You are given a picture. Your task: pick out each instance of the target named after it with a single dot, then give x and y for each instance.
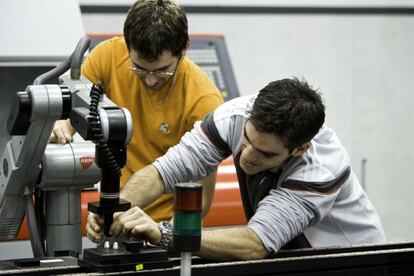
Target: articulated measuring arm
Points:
(110, 128)
(30, 124)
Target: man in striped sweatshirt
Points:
(296, 182)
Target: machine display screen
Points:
(210, 53)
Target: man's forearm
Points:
(143, 187)
(235, 243)
(209, 184)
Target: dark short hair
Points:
(290, 109)
(155, 26)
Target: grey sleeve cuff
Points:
(278, 219)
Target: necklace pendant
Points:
(164, 128)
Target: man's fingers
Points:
(52, 138)
(129, 225)
(62, 132)
(99, 220)
(139, 230)
(148, 230)
(92, 234)
(117, 214)
(68, 137)
(60, 135)
(93, 228)
(119, 222)
(96, 227)
(120, 219)
(135, 222)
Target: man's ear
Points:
(301, 149)
(183, 52)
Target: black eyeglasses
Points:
(158, 73)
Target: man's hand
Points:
(62, 132)
(94, 227)
(137, 223)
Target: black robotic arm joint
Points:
(18, 122)
(19, 119)
(66, 102)
(80, 120)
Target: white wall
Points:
(39, 29)
(363, 66)
(270, 3)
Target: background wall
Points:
(38, 30)
(358, 53)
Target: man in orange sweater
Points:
(147, 72)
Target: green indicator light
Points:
(187, 224)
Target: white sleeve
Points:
(190, 160)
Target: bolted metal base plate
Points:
(109, 260)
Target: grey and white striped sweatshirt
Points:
(316, 195)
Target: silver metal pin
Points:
(107, 245)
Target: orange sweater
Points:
(193, 95)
